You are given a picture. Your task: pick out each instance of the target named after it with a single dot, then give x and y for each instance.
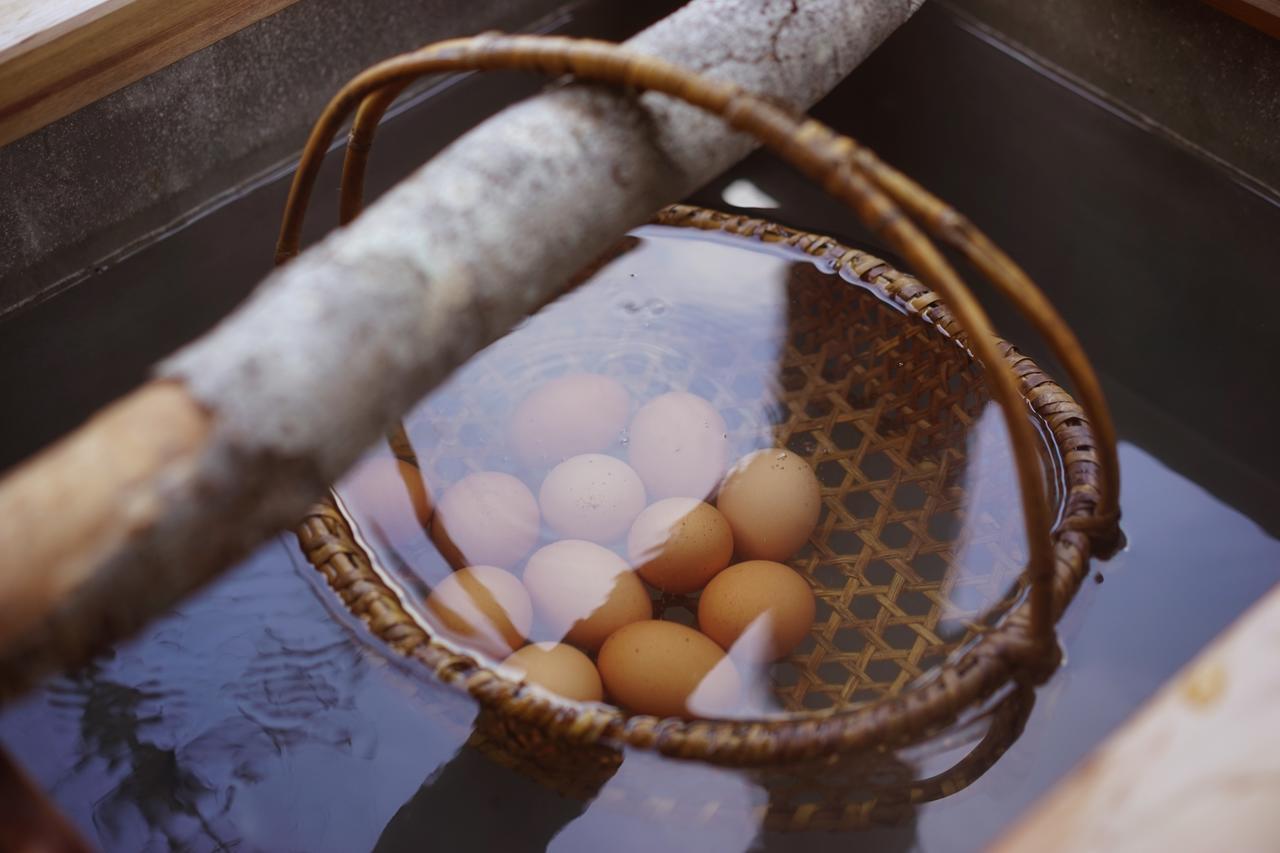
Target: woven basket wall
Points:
(885, 411)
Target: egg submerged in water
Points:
(583, 592)
(668, 670)
(679, 544)
(760, 610)
(559, 668)
(592, 496)
(679, 446)
(772, 501)
(483, 608)
(568, 416)
(488, 518)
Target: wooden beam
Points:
(1262, 15)
(1198, 768)
(29, 822)
(56, 56)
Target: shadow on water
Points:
(477, 793)
(797, 359)
(157, 789)
(253, 719)
(642, 802)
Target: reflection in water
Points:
(215, 729)
(158, 795)
(312, 793)
(176, 771)
(918, 545)
(917, 496)
(475, 798)
(254, 719)
(593, 799)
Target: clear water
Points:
(259, 716)
(256, 717)
(793, 356)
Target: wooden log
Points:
(1198, 768)
(69, 509)
(59, 55)
(29, 823)
(282, 397)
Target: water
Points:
(256, 717)
(918, 542)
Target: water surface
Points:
(254, 718)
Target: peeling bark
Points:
(335, 346)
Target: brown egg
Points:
(482, 608)
(668, 670)
(559, 668)
(679, 544)
(488, 519)
(679, 446)
(772, 501)
(391, 494)
(583, 592)
(568, 416)
(593, 496)
(759, 610)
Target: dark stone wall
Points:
(1198, 73)
(158, 151)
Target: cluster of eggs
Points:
(673, 515)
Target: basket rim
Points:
(1006, 652)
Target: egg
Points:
(593, 497)
(389, 493)
(679, 446)
(668, 670)
(759, 610)
(487, 518)
(679, 544)
(483, 608)
(568, 416)
(772, 501)
(583, 592)
(560, 669)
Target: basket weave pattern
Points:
(883, 411)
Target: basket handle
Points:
(883, 199)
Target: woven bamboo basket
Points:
(885, 407)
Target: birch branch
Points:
(243, 429)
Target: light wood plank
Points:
(59, 55)
(1198, 768)
(28, 24)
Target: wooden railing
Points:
(59, 55)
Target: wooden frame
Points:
(1262, 15)
(57, 56)
(1203, 755)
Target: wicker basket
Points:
(889, 405)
